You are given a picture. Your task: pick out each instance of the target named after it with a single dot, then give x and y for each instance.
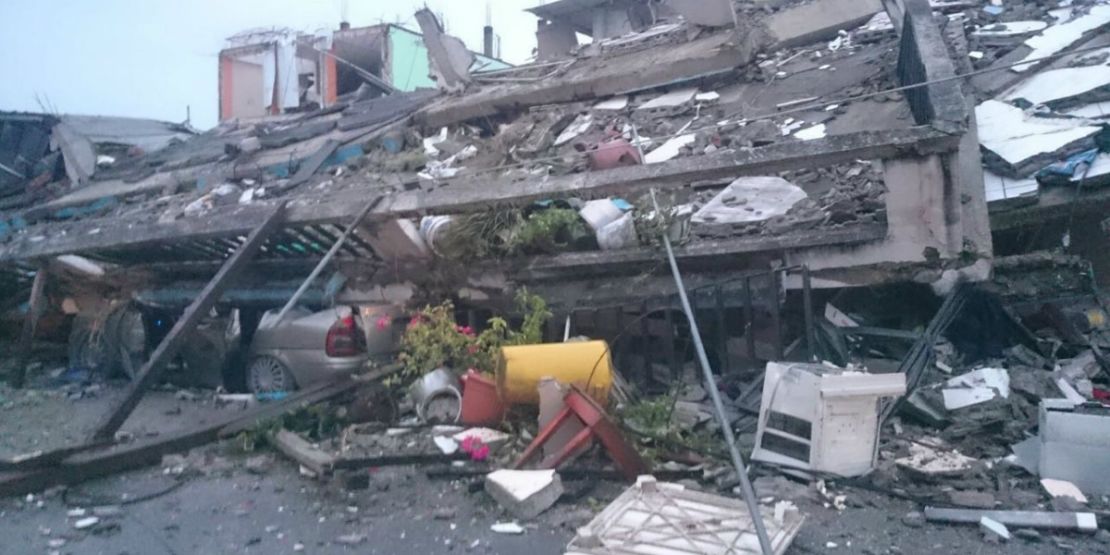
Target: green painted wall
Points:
(409, 57)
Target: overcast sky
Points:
(152, 58)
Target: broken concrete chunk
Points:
(1056, 87)
(670, 149)
(811, 133)
(1063, 488)
(1024, 141)
(1062, 35)
(673, 99)
(614, 104)
(935, 461)
(524, 493)
(580, 125)
(707, 13)
(765, 198)
(446, 445)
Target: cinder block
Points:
(524, 493)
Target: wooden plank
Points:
(169, 347)
(87, 465)
(44, 459)
(1086, 522)
(30, 323)
(304, 453)
(357, 463)
(478, 193)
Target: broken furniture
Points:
(581, 407)
(657, 517)
(822, 419)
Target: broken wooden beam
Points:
(88, 464)
(449, 57)
(30, 324)
(172, 343)
(1084, 522)
(620, 74)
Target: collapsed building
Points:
(861, 172)
(868, 157)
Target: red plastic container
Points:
(481, 405)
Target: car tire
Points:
(266, 374)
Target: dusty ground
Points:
(219, 505)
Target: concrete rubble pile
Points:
(444, 312)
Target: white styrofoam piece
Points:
(612, 104)
(446, 445)
(992, 526)
(1004, 188)
(677, 97)
(976, 387)
(658, 518)
(1008, 132)
(1063, 488)
(669, 149)
(1062, 35)
(811, 133)
(711, 96)
(1062, 83)
(1009, 29)
(1096, 110)
(511, 528)
(762, 198)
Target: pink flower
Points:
(465, 330)
(474, 447)
(383, 323)
(480, 454)
(471, 349)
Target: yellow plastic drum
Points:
(586, 364)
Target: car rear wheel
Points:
(267, 374)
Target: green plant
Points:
(433, 339)
(536, 316)
(482, 235)
(547, 232)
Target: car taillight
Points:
(345, 339)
